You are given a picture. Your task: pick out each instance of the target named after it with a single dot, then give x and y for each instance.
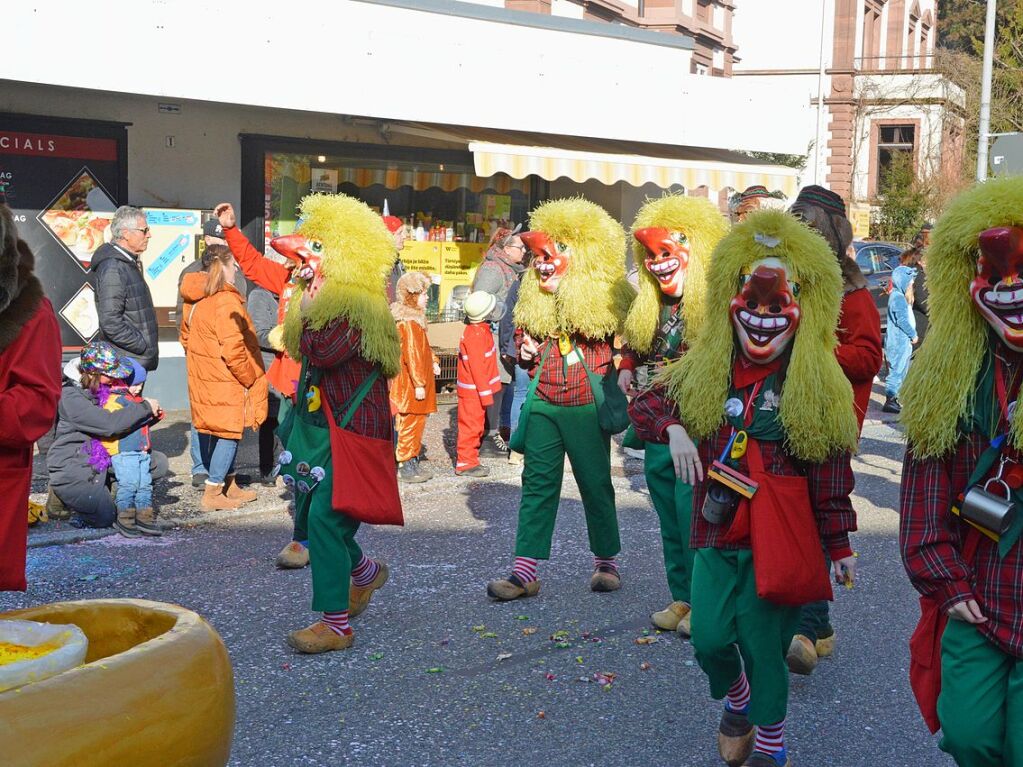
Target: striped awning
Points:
(551, 163)
(394, 178)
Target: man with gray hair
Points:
(124, 304)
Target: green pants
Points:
(333, 551)
(552, 432)
(673, 501)
(981, 701)
(727, 612)
(815, 617)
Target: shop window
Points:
(449, 212)
(895, 145)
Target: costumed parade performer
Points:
(570, 305)
(859, 355)
(673, 239)
(339, 453)
(959, 532)
(762, 392)
(413, 392)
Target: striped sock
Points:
(364, 572)
(337, 622)
(525, 569)
(771, 738)
(737, 698)
(607, 561)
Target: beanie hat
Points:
(100, 357)
(824, 211)
(480, 306)
(757, 190)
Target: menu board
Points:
(63, 180)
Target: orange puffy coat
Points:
(417, 360)
(226, 382)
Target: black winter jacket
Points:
(79, 419)
(125, 305)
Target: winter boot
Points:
(422, 469)
(145, 521)
(55, 508)
(213, 499)
(235, 493)
(407, 473)
(125, 523)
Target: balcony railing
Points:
(908, 62)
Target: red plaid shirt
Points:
(574, 388)
(830, 482)
(335, 350)
(932, 539)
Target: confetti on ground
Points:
(522, 617)
(559, 636)
(562, 645)
(286, 666)
(376, 656)
(435, 670)
(645, 666)
(549, 676)
(605, 679)
(504, 656)
(646, 640)
(481, 627)
(529, 631)
(488, 635)
(541, 715)
(578, 658)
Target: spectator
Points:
(397, 229)
(901, 335)
(501, 268)
(29, 390)
(212, 234)
(77, 460)
(263, 311)
(124, 304)
(413, 391)
(131, 461)
(227, 385)
(915, 257)
(509, 355)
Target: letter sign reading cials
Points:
(51, 145)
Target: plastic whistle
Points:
(738, 449)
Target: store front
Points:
(449, 212)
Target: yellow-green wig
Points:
(358, 254)
(816, 407)
(939, 388)
(594, 296)
(704, 226)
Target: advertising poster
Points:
(63, 180)
(458, 262)
(173, 244)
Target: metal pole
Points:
(819, 138)
(985, 93)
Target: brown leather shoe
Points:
(669, 618)
(319, 637)
(294, 556)
(736, 735)
(145, 522)
(125, 523)
(507, 589)
(605, 578)
(213, 499)
(359, 596)
(802, 655)
(235, 493)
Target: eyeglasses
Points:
(136, 229)
(520, 247)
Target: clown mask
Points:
(997, 290)
(667, 258)
(306, 254)
(765, 312)
(551, 259)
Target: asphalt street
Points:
(439, 675)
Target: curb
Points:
(79, 535)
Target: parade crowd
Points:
(748, 350)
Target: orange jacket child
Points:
(478, 379)
(413, 392)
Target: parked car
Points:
(877, 260)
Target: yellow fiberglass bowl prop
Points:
(156, 688)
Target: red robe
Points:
(29, 391)
(859, 346)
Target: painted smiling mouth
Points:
(546, 271)
(1007, 304)
(665, 270)
(760, 328)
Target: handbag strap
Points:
(536, 377)
(356, 399)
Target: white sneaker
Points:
(515, 458)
